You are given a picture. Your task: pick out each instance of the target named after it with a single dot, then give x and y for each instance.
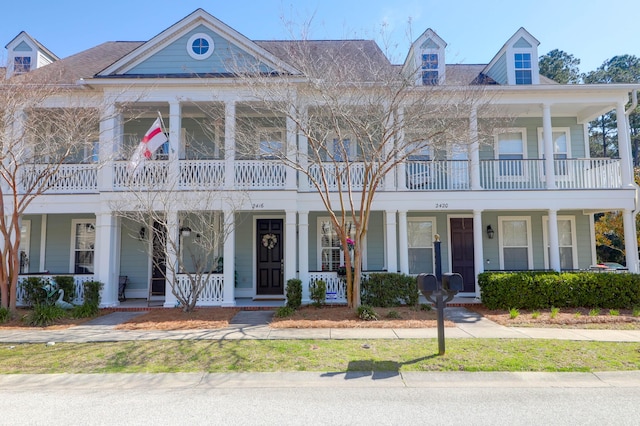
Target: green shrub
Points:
(388, 289)
(294, 293)
(284, 311)
(535, 314)
(554, 312)
(43, 315)
(393, 315)
(34, 294)
(85, 310)
(513, 313)
(67, 284)
(366, 313)
(541, 290)
(594, 312)
(5, 314)
(318, 290)
(425, 307)
(614, 312)
(92, 293)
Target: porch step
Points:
(252, 318)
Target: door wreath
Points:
(269, 241)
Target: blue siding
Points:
(58, 245)
(134, 257)
(23, 47)
(34, 242)
(245, 245)
(174, 59)
(375, 242)
(522, 43)
(498, 71)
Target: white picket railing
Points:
(202, 174)
(437, 175)
(213, 292)
(69, 178)
(266, 174)
(148, 175)
(78, 281)
(336, 285)
(588, 173)
(338, 175)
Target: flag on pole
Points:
(152, 140)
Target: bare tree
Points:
(358, 118)
(47, 136)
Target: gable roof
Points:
(40, 46)
(521, 33)
(198, 17)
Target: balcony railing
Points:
(69, 178)
(440, 175)
(78, 281)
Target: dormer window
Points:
(430, 69)
(522, 64)
(21, 64)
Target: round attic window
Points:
(200, 46)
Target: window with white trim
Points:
(21, 64)
(330, 253)
(83, 246)
(200, 46)
(270, 143)
(429, 69)
(510, 149)
(566, 241)
(341, 149)
(420, 231)
(515, 243)
(561, 137)
(418, 166)
(522, 65)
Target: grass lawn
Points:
(319, 355)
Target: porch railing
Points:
(437, 175)
(336, 285)
(213, 292)
(78, 281)
(202, 174)
(588, 173)
(148, 175)
(339, 175)
(69, 178)
(266, 174)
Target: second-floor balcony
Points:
(433, 175)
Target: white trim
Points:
(502, 219)
(43, 241)
(200, 56)
(25, 241)
(72, 256)
(318, 266)
(574, 239)
(567, 132)
(496, 154)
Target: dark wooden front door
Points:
(462, 251)
(159, 265)
(269, 243)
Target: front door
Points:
(159, 266)
(269, 241)
(462, 251)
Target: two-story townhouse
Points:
(519, 198)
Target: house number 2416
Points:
(442, 205)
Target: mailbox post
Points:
(439, 286)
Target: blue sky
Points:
(474, 30)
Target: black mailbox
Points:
(427, 283)
(452, 282)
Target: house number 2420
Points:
(442, 205)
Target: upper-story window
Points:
(200, 46)
(430, 69)
(21, 64)
(522, 64)
(510, 149)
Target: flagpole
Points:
(164, 127)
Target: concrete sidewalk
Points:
(254, 325)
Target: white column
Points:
(392, 242)
(402, 166)
(475, 149)
(403, 242)
(107, 247)
(478, 247)
(229, 263)
(387, 149)
(290, 182)
(547, 135)
(624, 146)
(173, 239)
(303, 149)
(290, 249)
(107, 146)
(229, 144)
(43, 242)
(303, 253)
(554, 247)
(175, 144)
(630, 241)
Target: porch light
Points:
(185, 231)
(490, 232)
(142, 233)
